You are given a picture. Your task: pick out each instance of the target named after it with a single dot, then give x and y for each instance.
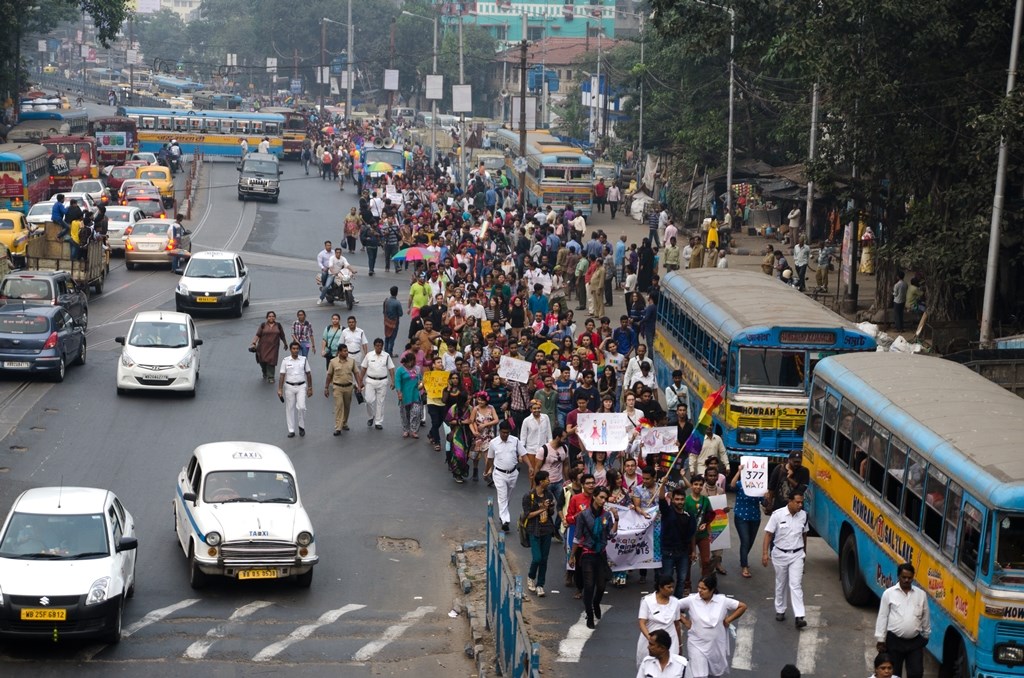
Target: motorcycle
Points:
(341, 288)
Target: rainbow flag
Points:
(703, 422)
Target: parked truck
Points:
(51, 253)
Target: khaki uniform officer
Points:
(341, 375)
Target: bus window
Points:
(970, 539)
(831, 413)
(914, 487)
(148, 123)
(861, 440)
(817, 403)
(226, 126)
(272, 129)
(897, 470)
(195, 124)
(257, 127)
(165, 123)
(771, 368)
(180, 124)
(953, 500)
(878, 442)
(1010, 543)
(934, 502)
(844, 446)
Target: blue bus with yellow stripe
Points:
(758, 337)
(918, 459)
(215, 133)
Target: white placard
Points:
(754, 476)
(391, 79)
(636, 545)
(514, 369)
(719, 527)
(435, 87)
(132, 56)
(41, 45)
(271, 64)
(334, 86)
(343, 80)
(462, 98)
(604, 432)
(323, 75)
(531, 113)
(84, 52)
(660, 439)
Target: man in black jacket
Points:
(677, 530)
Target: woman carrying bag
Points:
(265, 345)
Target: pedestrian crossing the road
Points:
(262, 632)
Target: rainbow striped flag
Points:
(694, 443)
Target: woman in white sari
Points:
(659, 610)
(707, 616)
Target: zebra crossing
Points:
(258, 631)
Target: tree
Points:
(479, 48)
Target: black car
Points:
(46, 288)
(40, 339)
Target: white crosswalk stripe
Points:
(303, 632)
(743, 654)
(198, 649)
(157, 615)
(570, 648)
(807, 646)
(391, 633)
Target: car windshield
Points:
(23, 288)
(158, 335)
(123, 172)
(87, 186)
(210, 268)
(118, 215)
(149, 229)
(32, 536)
(24, 324)
(260, 167)
(271, 487)
(41, 209)
(152, 174)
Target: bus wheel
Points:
(855, 589)
(954, 659)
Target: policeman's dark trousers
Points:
(909, 650)
(593, 569)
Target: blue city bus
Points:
(758, 337)
(216, 133)
(918, 459)
(24, 176)
(557, 173)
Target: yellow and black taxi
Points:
(15, 232)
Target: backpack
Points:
(327, 158)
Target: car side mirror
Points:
(280, 172)
(127, 544)
(197, 342)
(119, 340)
(189, 496)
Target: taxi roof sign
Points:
(246, 454)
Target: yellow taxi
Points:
(161, 178)
(49, 69)
(15, 232)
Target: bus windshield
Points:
(763, 368)
(1010, 542)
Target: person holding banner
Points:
(707, 616)
(747, 518)
(659, 610)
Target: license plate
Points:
(17, 365)
(257, 574)
(43, 614)
(206, 300)
(148, 246)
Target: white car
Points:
(119, 219)
(129, 183)
(214, 281)
(40, 212)
(96, 189)
(67, 564)
(238, 514)
(161, 353)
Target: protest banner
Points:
(637, 544)
(514, 369)
(603, 432)
(754, 476)
(660, 439)
(720, 523)
(485, 329)
(434, 382)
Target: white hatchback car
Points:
(238, 514)
(67, 564)
(214, 281)
(161, 353)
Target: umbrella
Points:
(414, 254)
(548, 347)
(382, 167)
(328, 130)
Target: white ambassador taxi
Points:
(238, 514)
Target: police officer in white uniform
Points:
(377, 374)
(355, 339)
(786, 537)
(503, 456)
(294, 375)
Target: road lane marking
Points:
(570, 648)
(198, 649)
(303, 632)
(156, 615)
(392, 633)
(807, 646)
(743, 655)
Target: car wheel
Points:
(236, 310)
(248, 297)
(178, 309)
(112, 635)
(129, 264)
(121, 391)
(98, 285)
(80, 360)
(196, 577)
(61, 371)
(274, 200)
(303, 581)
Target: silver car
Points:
(96, 189)
(148, 243)
(119, 219)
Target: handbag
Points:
(524, 536)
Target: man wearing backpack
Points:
(326, 162)
(369, 236)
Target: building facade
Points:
(557, 18)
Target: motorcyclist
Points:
(175, 156)
(337, 263)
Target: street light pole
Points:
(732, 107)
(522, 114)
(462, 126)
(320, 70)
(348, 67)
(433, 102)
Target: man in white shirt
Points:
(293, 376)
(801, 257)
(376, 206)
(903, 624)
(786, 535)
(376, 375)
(660, 662)
(503, 456)
(633, 366)
(646, 377)
(675, 393)
(686, 253)
(355, 339)
(536, 429)
(712, 446)
(264, 146)
(335, 264)
(474, 309)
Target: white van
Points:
(406, 114)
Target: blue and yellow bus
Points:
(73, 122)
(24, 176)
(557, 173)
(759, 338)
(918, 459)
(216, 133)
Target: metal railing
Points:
(516, 656)
(93, 92)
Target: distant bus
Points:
(36, 125)
(71, 158)
(295, 125)
(374, 155)
(216, 133)
(918, 459)
(24, 176)
(116, 140)
(557, 173)
(759, 338)
(205, 100)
